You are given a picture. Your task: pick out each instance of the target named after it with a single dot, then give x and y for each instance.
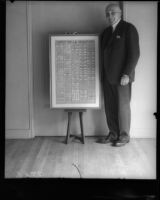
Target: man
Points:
(120, 53)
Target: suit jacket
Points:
(120, 52)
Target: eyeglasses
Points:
(111, 13)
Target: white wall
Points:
(61, 17)
(42, 18)
(144, 16)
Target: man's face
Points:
(113, 14)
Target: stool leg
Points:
(81, 124)
(68, 126)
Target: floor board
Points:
(51, 157)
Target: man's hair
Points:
(112, 4)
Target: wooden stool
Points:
(70, 111)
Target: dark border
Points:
(71, 188)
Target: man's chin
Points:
(112, 23)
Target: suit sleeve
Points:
(132, 48)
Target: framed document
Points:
(74, 71)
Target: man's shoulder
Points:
(128, 24)
(122, 22)
(123, 25)
(106, 30)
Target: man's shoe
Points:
(122, 140)
(110, 138)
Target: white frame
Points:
(76, 37)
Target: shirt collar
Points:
(114, 25)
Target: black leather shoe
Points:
(123, 139)
(110, 138)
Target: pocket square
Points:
(118, 36)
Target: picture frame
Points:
(74, 71)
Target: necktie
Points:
(112, 29)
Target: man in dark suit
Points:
(120, 53)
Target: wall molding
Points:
(30, 65)
(134, 133)
(143, 132)
(27, 134)
(124, 11)
(18, 134)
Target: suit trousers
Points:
(117, 107)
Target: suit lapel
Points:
(107, 37)
(110, 40)
(114, 34)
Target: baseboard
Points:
(143, 133)
(26, 134)
(18, 134)
(135, 133)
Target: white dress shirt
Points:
(114, 25)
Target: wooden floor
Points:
(50, 157)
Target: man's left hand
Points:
(124, 80)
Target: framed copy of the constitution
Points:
(74, 71)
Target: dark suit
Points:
(120, 53)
